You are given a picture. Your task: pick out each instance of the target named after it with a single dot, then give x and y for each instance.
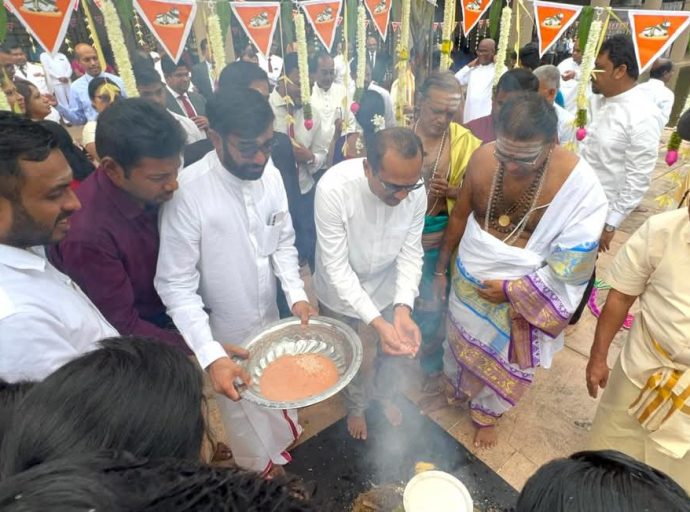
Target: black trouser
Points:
(585, 299)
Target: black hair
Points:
(103, 401)
(290, 63)
(683, 127)
(20, 139)
(141, 58)
(120, 482)
(403, 141)
(203, 44)
(96, 83)
(518, 79)
(529, 56)
(665, 66)
(12, 45)
(146, 75)
(169, 67)
(241, 112)
(316, 58)
(24, 88)
(240, 74)
(621, 50)
(606, 481)
(370, 104)
(132, 129)
(10, 395)
(527, 116)
(81, 166)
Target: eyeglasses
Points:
(522, 162)
(392, 188)
(248, 152)
(106, 98)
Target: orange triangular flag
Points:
(323, 16)
(258, 19)
(45, 20)
(654, 31)
(170, 21)
(552, 21)
(472, 10)
(380, 12)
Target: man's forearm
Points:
(450, 241)
(611, 320)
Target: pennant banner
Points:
(552, 21)
(472, 10)
(258, 19)
(380, 12)
(323, 16)
(654, 31)
(45, 20)
(169, 21)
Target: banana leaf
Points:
(586, 19)
(495, 18)
(125, 9)
(224, 14)
(286, 23)
(3, 22)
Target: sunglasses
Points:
(249, 151)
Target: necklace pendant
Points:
(504, 221)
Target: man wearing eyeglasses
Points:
(225, 237)
(369, 219)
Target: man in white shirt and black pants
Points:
(45, 319)
(225, 237)
(369, 220)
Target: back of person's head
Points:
(403, 141)
(371, 104)
(132, 129)
(169, 66)
(518, 79)
(96, 84)
(550, 75)
(132, 394)
(241, 112)
(10, 395)
(529, 56)
(141, 57)
(20, 139)
(240, 74)
(621, 51)
(77, 160)
(146, 75)
(202, 45)
(605, 481)
(527, 116)
(660, 68)
(291, 62)
(316, 59)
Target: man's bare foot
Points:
(434, 383)
(486, 437)
(275, 472)
(392, 413)
(431, 403)
(357, 427)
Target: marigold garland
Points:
(303, 62)
(215, 39)
(117, 42)
(448, 25)
(403, 56)
(361, 56)
(586, 69)
(503, 39)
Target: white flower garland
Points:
(303, 62)
(403, 56)
(448, 26)
(504, 36)
(361, 47)
(215, 39)
(587, 64)
(117, 41)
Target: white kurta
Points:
(660, 95)
(330, 105)
(223, 243)
(622, 146)
(566, 127)
(57, 67)
(479, 82)
(569, 87)
(273, 71)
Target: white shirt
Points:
(179, 101)
(660, 95)
(566, 126)
(368, 254)
(310, 139)
(275, 69)
(56, 67)
(342, 68)
(36, 74)
(622, 146)
(223, 243)
(569, 87)
(45, 319)
(389, 109)
(330, 105)
(191, 129)
(479, 81)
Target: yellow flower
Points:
(445, 47)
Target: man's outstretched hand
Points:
(304, 310)
(224, 371)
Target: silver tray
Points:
(324, 336)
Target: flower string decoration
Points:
(117, 41)
(215, 40)
(586, 70)
(403, 56)
(361, 57)
(503, 38)
(448, 19)
(379, 122)
(4, 102)
(303, 64)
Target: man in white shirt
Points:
(549, 83)
(151, 88)
(570, 75)
(58, 72)
(342, 68)
(369, 220)
(369, 84)
(32, 72)
(478, 77)
(622, 142)
(656, 87)
(45, 319)
(273, 66)
(225, 237)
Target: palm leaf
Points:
(586, 19)
(224, 14)
(495, 18)
(125, 9)
(286, 23)
(3, 22)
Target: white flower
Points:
(361, 47)
(379, 122)
(117, 42)
(504, 36)
(215, 39)
(587, 64)
(302, 59)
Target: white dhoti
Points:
(61, 92)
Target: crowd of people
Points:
(135, 265)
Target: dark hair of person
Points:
(120, 482)
(132, 129)
(96, 83)
(131, 394)
(10, 394)
(241, 112)
(240, 74)
(518, 79)
(683, 127)
(290, 63)
(169, 67)
(142, 57)
(316, 58)
(20, 139)
(527, 116)
(203, 44)
(403, 141)
(370, 105)
(603, 481)
(529, 56)
(146, 75)
(81, 166)
(12, 45)
(666, 66)
(24, 87)
(621, 50)
(444, 80)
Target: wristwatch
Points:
(609, 228)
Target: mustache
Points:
(63, 216)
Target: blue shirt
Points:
(560, 101)
(80, 109)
